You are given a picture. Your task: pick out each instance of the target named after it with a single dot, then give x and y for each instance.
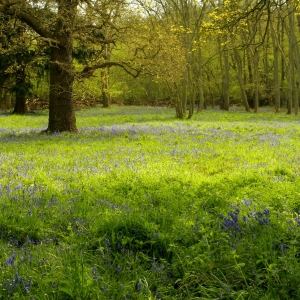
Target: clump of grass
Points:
(138, 205)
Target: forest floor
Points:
(140, 205)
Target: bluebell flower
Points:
(247, 202)
(10, 261)
(263, 222)
(118, 269)
(138, 286)
(297, 221)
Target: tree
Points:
(58, 23)
(60, 39)
(15, 56)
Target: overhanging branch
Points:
(13, 9)
(88, 71)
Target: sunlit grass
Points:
(139, 205)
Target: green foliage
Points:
(140, 206)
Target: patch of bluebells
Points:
(297, 219)
(18, 283)
(10, 261)
(236, 224)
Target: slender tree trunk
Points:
(5, 97)
(283, 62)
(275, 41)
(191, 90)
(200, 84)
(226, 80)
(106, 99)
(180, 110)
(224, 64)
(256, 79)
(297, 60)
(61, 105)
(20, 104)
(240, 78)
(291, 67)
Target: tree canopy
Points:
(194, 52)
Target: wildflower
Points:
(138, 286)
(10, 261)
(234, 215)
(107, 242)
(263, 222)
(158, 295)
(118, 269)
(155, 234)
(247, 202)
(27, 286)
(245, 219)
(283, 248)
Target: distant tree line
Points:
(184, 53)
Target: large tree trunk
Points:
(61, 105)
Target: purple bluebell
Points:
(138, 286)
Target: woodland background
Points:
(182, 53)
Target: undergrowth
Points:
(138, 205)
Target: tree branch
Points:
(13, 9)
(89, 70)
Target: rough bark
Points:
(61, 105)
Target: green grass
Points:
(139, 205)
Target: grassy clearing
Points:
(139, 205)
